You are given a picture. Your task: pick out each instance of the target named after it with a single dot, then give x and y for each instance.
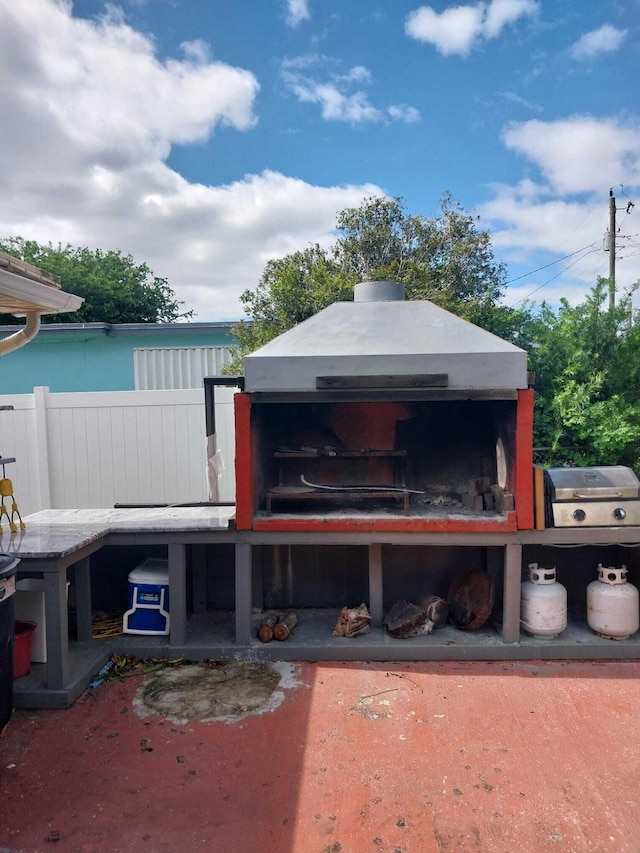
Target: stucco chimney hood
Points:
(381, 334)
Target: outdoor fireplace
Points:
(385, 414)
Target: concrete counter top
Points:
(159, 519)
(56, 533)
(49, 541)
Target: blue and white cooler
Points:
(148, 606)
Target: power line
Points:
(544, 283)
(559, 260)
(596, 202)
(564, 258)
(595, 269)
(612, 235)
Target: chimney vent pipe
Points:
(378, 291)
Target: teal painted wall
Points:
(94, 359)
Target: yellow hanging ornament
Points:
(6, 491)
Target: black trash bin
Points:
(8, 564)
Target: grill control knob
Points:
(579, 515)
(619, 514)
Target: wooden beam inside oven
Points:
(412, 380)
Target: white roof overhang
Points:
(20, 295)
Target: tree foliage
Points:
(445, 258)
(587, 365)
(114, 287)
(586, 357)
(290, 290)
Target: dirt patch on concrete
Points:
(228, 692)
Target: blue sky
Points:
(207, 136)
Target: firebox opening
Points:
(402, 458)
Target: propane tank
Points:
(612, 604)
(543, 603)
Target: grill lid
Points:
(592, 484)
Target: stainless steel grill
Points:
(607, 496)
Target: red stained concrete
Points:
(401, 524)
(505, 757)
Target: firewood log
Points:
(286, 625)
(265, 631)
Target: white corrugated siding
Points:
(160, 368)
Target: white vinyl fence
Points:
(92, 450)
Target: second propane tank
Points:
(612, 604)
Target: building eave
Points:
(20, 296)
(127, 329)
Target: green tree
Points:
(587, 383)
(445, 258)
(290, 290)
(114, 287)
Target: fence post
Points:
(40, 395)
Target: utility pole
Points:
(612, 249)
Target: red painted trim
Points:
(244, 468)
(399, 525)
(524, 460)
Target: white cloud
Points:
(514, 98)
(211, 243)
(606, 39)
(89, 117)
(197, 50)
(453, 32)
(234, 230)
(100, 86)
(562, 240)
(564, 209)
(580, 153)
(403, 112)
(336, 105)
(456, 30)
(357, 74)
(334, 95)
(305, 60)
(297, 11)
(499, 13)
(532, 220)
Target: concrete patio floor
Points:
(504, 757)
